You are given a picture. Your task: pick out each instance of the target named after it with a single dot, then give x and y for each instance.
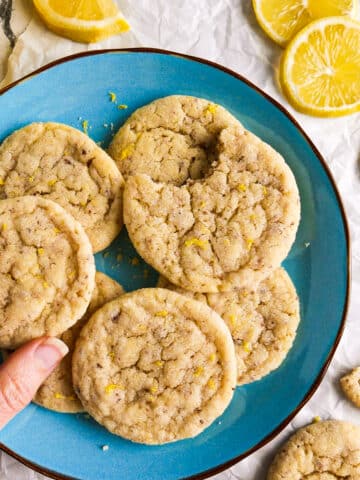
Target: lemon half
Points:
(320, 68)
(82, 20)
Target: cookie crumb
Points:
(122, 107)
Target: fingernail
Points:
(50, 352)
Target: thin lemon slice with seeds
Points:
(82, 20)
(320, 68)
(282, 19)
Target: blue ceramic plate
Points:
(76, 89)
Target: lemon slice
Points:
(320, 68)
(82, 20)
(282, 19)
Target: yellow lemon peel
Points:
(113, 386)
(197, 242)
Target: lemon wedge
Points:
(82, 20)
(320, 68)
(282, 19)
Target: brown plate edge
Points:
(316, 384)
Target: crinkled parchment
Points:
(224, 31)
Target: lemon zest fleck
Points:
(4, 227)
(113, 386)
(253, 217)
(31, 179)
(242, 187)
(154, 388)
(151, 398)
(85, 126)
(227, 242)
(112, 96)
(317, 419)
(122, 107)
(232, 319)
(247, 347)
(161, 313)
(60, 396)
(212, 357)
(211, 108)
(83, 204)
(249, 243)
(202, 204)
(127, 151)
(159, 363)
(198, 371)
(40, 251)
(112, 355)
(45, 284)
(197, 242)
(2, 181)
(56, 230)
(265, 191)
(211, 384)
(52, 182)
(244, 293)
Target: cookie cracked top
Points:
(225, 231)
(328, 450)
(172, 139)
(46, 270)
(60, 163)
(154, 366)
(263, 322)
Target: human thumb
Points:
(24, 371)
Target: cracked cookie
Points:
(350, 385)
(62, 164)
(328, 450)
(46, 270)
(172, 139)
(226, 231)
(262, 322)
(154, 366)
(57, 392)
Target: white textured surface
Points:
(224, 31)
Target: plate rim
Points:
(315, 385)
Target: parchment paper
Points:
(226, 32)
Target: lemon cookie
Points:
(63, 164)
(57, 392)
(154, 366)
(172, 139)
(262, 322)
(46, 270)
(228, 230)
(326, 450)
(351, 386)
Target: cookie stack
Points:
(208, 205)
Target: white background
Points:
(226, 32)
